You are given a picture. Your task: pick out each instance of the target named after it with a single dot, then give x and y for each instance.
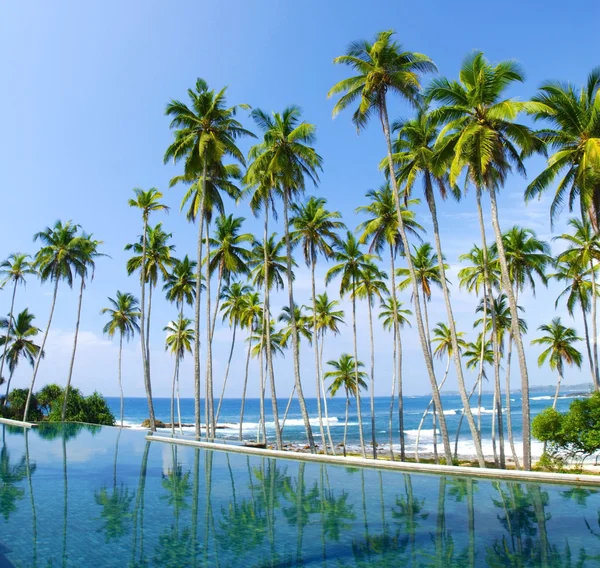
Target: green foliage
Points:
(574, 434)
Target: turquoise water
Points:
(75, 496)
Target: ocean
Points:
(136, 410)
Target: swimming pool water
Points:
(79, 496)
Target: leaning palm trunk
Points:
(41, 351)
(245, 381)
(416, 300)
(296, 348)
(516, 331)
(287, 408)
(594, 327)
(451, 324)
(324, 394)
(72, 364)
(6, 339)
(209, 402)
(477, 384)
(267, 331)
(226, 373)
(373, 441)
(217, 300)
(316, 346)
(356, 383)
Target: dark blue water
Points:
(73, 496)
(136, 410)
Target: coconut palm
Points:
(179, 341)
(124, 320)
(483, 138)
(303, 325)
(382, 67)
(394, 317)
(89, 252)
(234, 297)
(148, 201)
(314, 229)
(583, 248)
(559, 342)
(18, 342)
(573, 133)
(381, 229)
(180, 283)
(58, 259)
(286, 157)
(205, 132)
(371, 286)
(352, 261)
(344, 375)
(13, 270)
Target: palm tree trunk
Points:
(416, 299)
(209, 402)
(287, 409)
(436, 458)
(516, 331)
(72, 364)
(226, 373)
(392, 397)
(296, 348)
(508, 404)
(217, 301)
(498, 401)
(261, 425)
(173, 395)
(594, 327)
(267, 331)
(559, 368)
(179, 404)
(451, 324)
(324, 394)
(587, 340)
(39, 357)
(145, 362)
(373, 441)
(31, 498)
(150, 289)
(6, 341)
(119, 376)
(316, 346)
(245, 381)
(477, 384)
(358, 408)
(346, 421)
(10, 376)
(494, 447)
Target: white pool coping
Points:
(18, 423)
(410, 467)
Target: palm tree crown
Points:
(124, 316)
(558, 341)
(21, 343)
(15, 268)
(427, 270)
(343, 375)
(229, 256)
(180, 336)
(180, 283)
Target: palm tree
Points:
(573, 133)
(370, 286)
(583, 248)
(352, 261)
(13, 269)
(381, 228)
(89, 252)
(392, 313)
(559, 350)
(315, 231)
(286, 158)
(228, 257)
(180, 283)
(344, 375)
(179, 340)
(417, 157)
(234, 296)
(18, 343)
(58, 259)
(483, 139)
(204, 134)
(303, 325)
(124, 319)
(148, 201)
(383, 67)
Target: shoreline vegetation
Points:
(464, 140)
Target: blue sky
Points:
(82, 123)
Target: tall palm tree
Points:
(180, 283)
(314, 229)
(583, 248)
(370, 286)
(559, 350)
(179, 341)
(286, 158)
(58, 259)
(573, 132)
(125, 320)
(89, 252)
(205, 132)
(303, 325)
(352, 261)
(18, 343)
(344, 375)
(392, 313)
(14, 269)
(483, 138)
(234, 301)
(381, 229)
(382, 67)
(148, 201)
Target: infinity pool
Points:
(79, 496)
